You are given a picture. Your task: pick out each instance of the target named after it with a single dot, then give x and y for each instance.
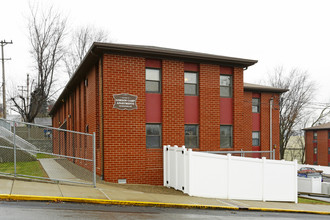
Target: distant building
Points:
(46, 121)
(295, 149)
(139, 98)
(317, 141)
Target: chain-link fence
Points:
(53, 154)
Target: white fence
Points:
(313, 185)
(309, 185)
(228, 177)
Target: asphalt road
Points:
(44, 210)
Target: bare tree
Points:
(46, 34)
(292, 103)
(81, 41)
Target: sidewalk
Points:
(138, 195)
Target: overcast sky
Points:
(288, 33)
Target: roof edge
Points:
(99, 48)
(261, 88)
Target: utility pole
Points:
(4, 43)
(27, 90)
(22, 90)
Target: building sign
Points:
(125, 101)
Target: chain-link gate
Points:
(53, 154)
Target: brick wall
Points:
(124, 134)
(322, 147)
(209, 96)
(124, 131)
(173, 102)
(247, 125)
(265, 120)
(309, 147)
(238, 95)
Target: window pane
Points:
(190, 89)
(225, 136)
(153, 137)
(255, 142)
(255, 102)
(191, 136)
(152, 86)
(225, 80)
(255, 135)
(255, 109)
(255, 105)
(190, 77)
(225, 142)
(225, 92)
(153, 74)
(153, 129)
(190, 141)
(153, 141)
(190, 129)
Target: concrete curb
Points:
(109, 202)
(149, 204)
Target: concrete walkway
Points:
(115, 194)
(56, 171)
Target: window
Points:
(190, 83)
(225, 86)
(315, 135)
(255, 105)
(328, 134)
(255, 138)
(226, 136)
(315, 150)
(153, 80)
(191, 136)
(153, 135)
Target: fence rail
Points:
(36, 151)
(255, 154)
(229, 177)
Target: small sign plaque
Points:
(125, 101)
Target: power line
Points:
(4, 43)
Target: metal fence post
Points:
(14, 141)
(94, 160)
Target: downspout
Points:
(101, 115)
(271, 128)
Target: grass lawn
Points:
(43, 156)
(31, 168)
(312, 201)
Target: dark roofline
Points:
(261, 88)
(161, 52)
(98, 49)
(325, 126)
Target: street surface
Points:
(44, 210)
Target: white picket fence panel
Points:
(229, 177)
(309, 185)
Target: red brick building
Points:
(317, 145)
(139, 98)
